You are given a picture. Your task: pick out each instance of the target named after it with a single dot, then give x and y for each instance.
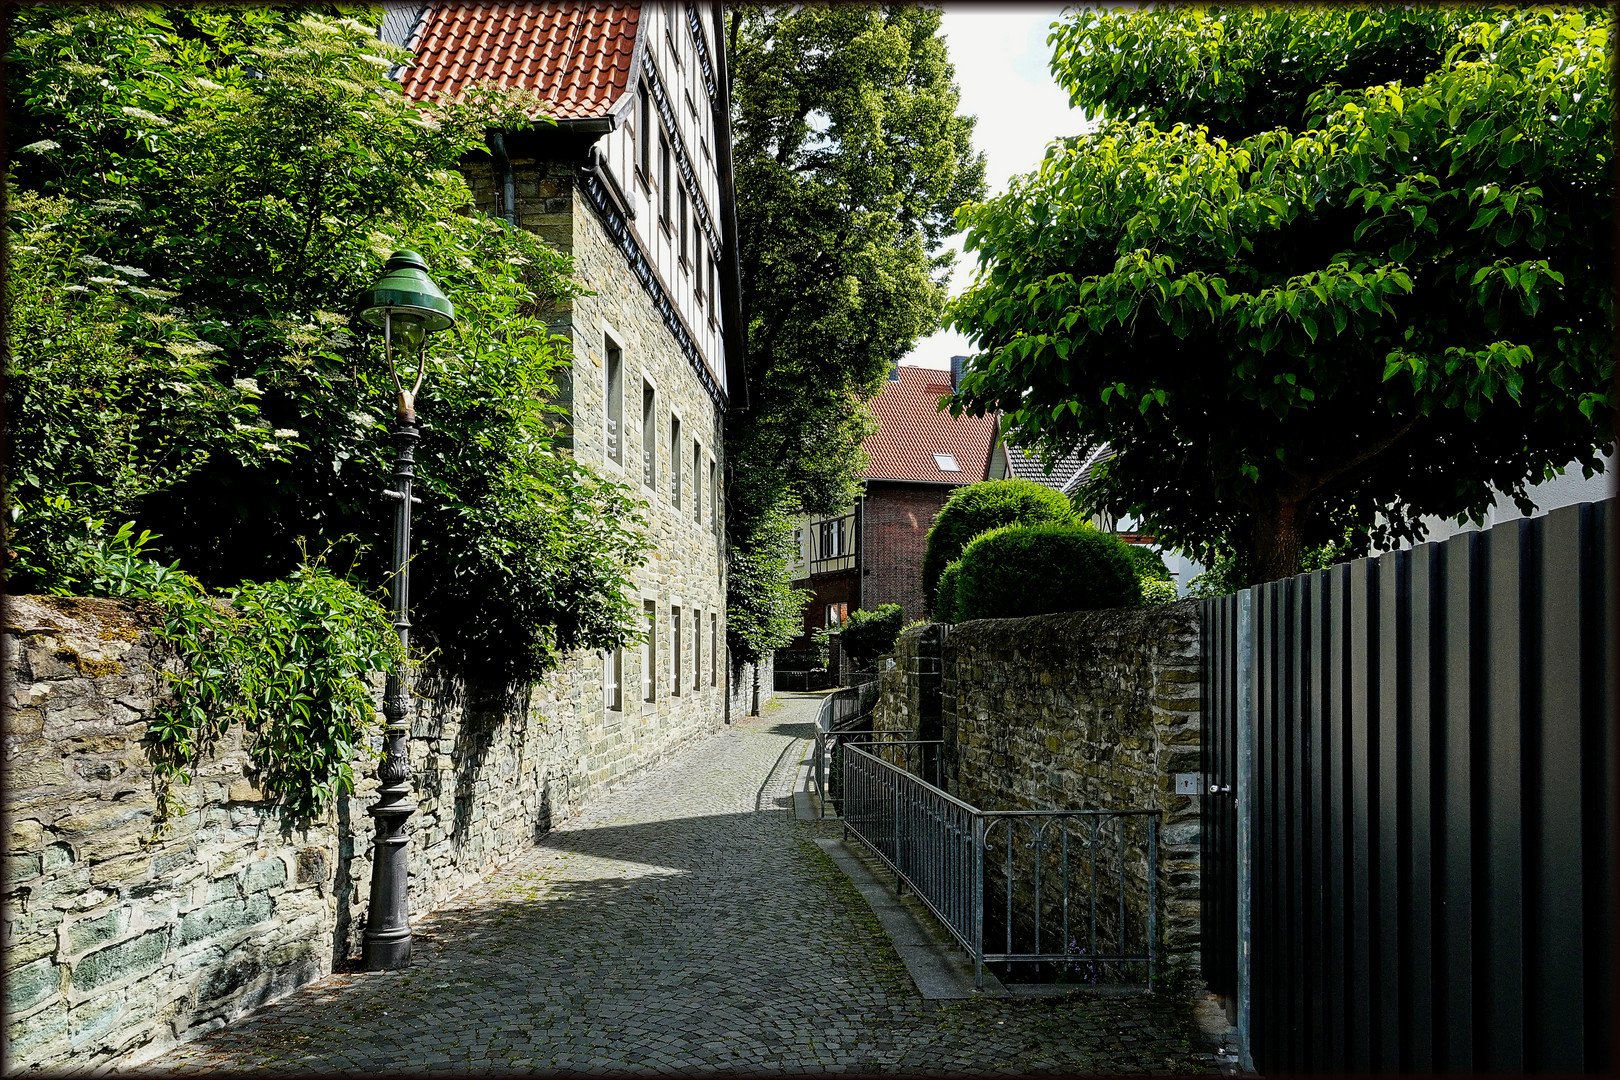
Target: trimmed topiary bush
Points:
(871, 634)
(944, 604)
(1022, 570)
(976, 508)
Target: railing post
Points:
(1152, 896)
(899, 845)
(977, 899)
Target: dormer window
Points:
(947, 463)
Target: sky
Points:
(1000, 55)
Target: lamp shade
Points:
(407, 293)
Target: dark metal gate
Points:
(1431, 807)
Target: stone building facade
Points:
(630, 176)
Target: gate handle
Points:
(1217, 789)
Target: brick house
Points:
(634, 181)
(870, 553)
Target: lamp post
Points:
(406, 306)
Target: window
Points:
(697, 481)
(837, 614)
(691, 106)
(649, 654)
(712, 288)
(663, 179)
(613, 401)
(831, 537)
(714, 649)
(613, 679)
(675, 462)
(649, 437)
(675, 650)
(714, 499)
(644, 133)
(947, 463)
(680, 204)
(697, 650)
(798, 541)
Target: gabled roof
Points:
(577, 56)
(911, 430)
(1025, 465)
(1088, 467)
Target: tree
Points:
(1373, 287)
(202, 194)
(850, 159)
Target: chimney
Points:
(956, 370)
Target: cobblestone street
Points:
(684, 923)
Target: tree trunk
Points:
(1277, 530)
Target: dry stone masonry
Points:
(117, 948)
(1084, 710)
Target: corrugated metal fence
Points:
(1410, 805)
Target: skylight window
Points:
(947, 463)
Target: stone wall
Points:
(742, 688)
(117, 948)
(1085, 710)
(909, 685)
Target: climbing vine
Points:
(288, 659)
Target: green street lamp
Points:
(406, 306)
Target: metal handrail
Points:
(936, 844)
(842, 713)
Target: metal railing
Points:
(846, 716)
(1071, 888)
(845, 708)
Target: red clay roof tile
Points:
(911, 430)
(574, 55)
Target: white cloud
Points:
(1000, 55)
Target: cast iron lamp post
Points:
(406, 306)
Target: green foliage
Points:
(1225, 575)
(868, 635)
(821, 645)
(849, 160)
(83, 559)
(975, 508)
(1019, 570)
(289, 660)
(943, 605)
(204, 192)
(1157, 591)
(113, 395)
(763, 610)
(1404, 286)
(1149, 564)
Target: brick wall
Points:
(896, 525)
(1085, 710)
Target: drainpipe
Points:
(497, 149)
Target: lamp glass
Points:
(407, 329)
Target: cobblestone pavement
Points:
(674, 928)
